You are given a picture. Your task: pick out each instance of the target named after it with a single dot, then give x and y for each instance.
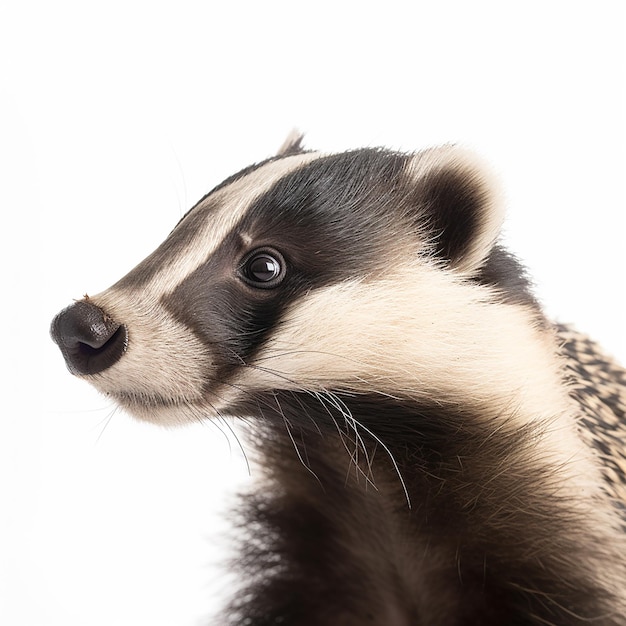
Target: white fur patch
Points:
(422, 333)
(419, 331)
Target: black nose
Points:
(89, 340)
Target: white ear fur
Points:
(292, 143)
(471, 207)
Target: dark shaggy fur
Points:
(459, 528)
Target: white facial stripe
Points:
(233, 202)
(163, 357)
(432, 336)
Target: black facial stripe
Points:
(349, 203)
(333, 216)
(227, 314)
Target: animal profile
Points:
(434, 450)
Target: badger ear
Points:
(292, 144)
(460, 204)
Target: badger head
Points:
(369, 271)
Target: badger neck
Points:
(402, 495)
(412, 446)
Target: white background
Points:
(115, 117)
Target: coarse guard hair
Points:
(434, 450)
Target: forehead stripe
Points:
(234, 201)
(198, 236)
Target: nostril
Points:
(89, 340)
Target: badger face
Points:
(367, 271)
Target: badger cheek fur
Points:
(434, 450)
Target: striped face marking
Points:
(170, 371)
(241, 272)
(205, 227)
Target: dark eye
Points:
(264, 268)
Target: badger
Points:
(434, 450)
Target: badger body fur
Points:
(435, 451)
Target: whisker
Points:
(293, 441)
(347, 414)
(106, 421)
(358, 443)
(391, 458)
(224, 421)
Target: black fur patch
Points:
(232, 318)
(453, 204)
(487, 533)
(332, 217)
(504, 272)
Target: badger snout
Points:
(88, 338)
